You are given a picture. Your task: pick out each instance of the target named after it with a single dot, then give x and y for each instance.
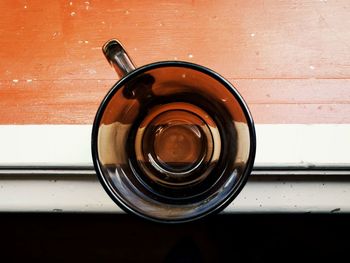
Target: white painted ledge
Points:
(79, 195)
(277, 145)
(69, 146)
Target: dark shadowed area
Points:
(221, 238)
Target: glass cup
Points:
(172, 141)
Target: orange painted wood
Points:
(271, 101)
(289, 59)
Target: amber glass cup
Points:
(172, 141)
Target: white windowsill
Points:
(69, 146)
(277, 145)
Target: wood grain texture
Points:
(289, 59)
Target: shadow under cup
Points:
(173, 141)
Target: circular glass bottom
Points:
(175, 145)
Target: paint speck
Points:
(190, 55)
(224, 100)
(175, 58)
(103, 22)
(98, 80)
(73, 13)
(70, 3)
(55, 35)
(252, 34)
(312, 67)
(127, 12)
(135, 48)
(29, 80)
(161, 24)
(87, 3)
(83, 41)
(15, 80)
(25, 7)
(183, 76)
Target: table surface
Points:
(289, 59)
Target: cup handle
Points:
(117, 57)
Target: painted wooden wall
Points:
(289, 59)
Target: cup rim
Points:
(229, 86)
